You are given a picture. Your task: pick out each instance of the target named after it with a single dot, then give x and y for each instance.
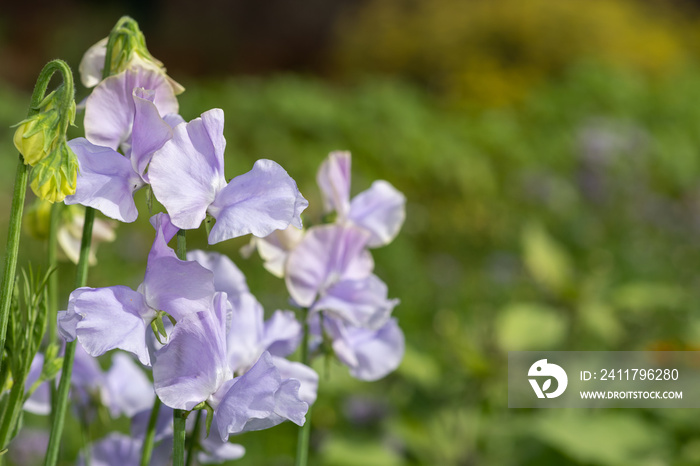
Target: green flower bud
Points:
(54, 177)
(34, 137)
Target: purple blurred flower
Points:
(103, 319)
(369, 354)
(117, 449)
(187, 177)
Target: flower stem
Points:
(53, 263)
(147, 449)
(179, 424)
(194, 438)
(179, 415)
(20, 191)
(305, 430)
(53, 286)
(61, 403)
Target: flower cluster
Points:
(328, 270)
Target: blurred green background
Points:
(549, 152)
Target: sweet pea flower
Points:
(110, 109)
(187, 177)
(380, 210)
(117, 449)
(331, 270)
(249, 335)
(103, 319)
(369, 354)
(107, 179)
(194, 367)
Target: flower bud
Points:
(55, 176)
(34, 136)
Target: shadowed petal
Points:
(244, 337)
(259, 202)
(380, 210)
(281, 334)
(105, 182)
(188, 171)
(129, 389)
(227, 277)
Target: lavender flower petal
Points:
(281, 334)
(109, 110)
(381, 210)
(327, 254)
(150, 131)
(227, 277)
(334, 180)
(370, 354)
(129, 390)
(106, 181)
(360, 303)
(252, 401)
(192, 366)
(107, 318)
(301, 372)
(188, 171)
(259, 202)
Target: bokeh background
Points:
(550, 154)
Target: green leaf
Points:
(546, 260)
(530, 326)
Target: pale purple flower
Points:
(117, 449)
(380, 210)
(93, 62)
(331, 270)
(103, 319)
(275, 248)
(369, 354)
(187, 177)
(249, 335)
(194, 367)
(110, 109)
(107, 179)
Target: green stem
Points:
(61, 404)
(53, 285)
(180, 416)
(179, 424)
(150, 434)
(20, 191)
(10, 417)
(53, 264)
(305, 430)
(194, 438)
